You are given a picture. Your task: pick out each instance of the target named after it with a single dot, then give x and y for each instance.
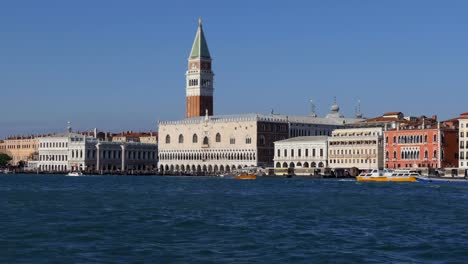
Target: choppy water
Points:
(57, 219)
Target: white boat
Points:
(388, 176)
(75, 173)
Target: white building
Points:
(76, 152)
(218, 144)
(360, 148)
(463, 147)
(53, 152)
(301, 155)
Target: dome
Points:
(335, 108)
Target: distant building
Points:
(360, 148)
(130, 136)
(463, 146)
(218, 144)
(422, 143)
(77, 152)
(301, 155)
(20, 149)
(390, 120)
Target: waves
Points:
(208, 220)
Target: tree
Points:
(4, 159)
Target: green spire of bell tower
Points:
(200, 48)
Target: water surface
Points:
(131, 219)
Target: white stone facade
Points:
(301, 155)
(75, 152)
(360, 148)
(218, 144)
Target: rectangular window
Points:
(313, 153)
(299, 152)
(321, 152)
(279, 152)
(307, 153)
(292, 152)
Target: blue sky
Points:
(120, 65)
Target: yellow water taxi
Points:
(388, 176)
(246, 177)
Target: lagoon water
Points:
(131, 219)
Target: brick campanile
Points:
(199, 77)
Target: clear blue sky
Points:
(120, 65)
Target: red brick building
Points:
(424, 143)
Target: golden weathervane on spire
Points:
(199, 21)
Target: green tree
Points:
(4, 159)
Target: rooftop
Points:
(304, 139)
(266, 118)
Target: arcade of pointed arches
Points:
(300, 165)
(182, 161)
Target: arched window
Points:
(205, 141)
(218, 137)
(168, 139)
(195, 138)
(262, 140)
(181, 139)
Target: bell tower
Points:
(199, 77)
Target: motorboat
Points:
(75, 173)
(388, 176)
(246, 176)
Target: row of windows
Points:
(204, 83)
(267, 127)
(53, 145)
(353, 151)
(303, 133)
(53, 157)
(353, 143)
(232, 140)
(352, 161)
(300, 152)
(300, 165)
(17, 147)
(411, 155)
(415, 139)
